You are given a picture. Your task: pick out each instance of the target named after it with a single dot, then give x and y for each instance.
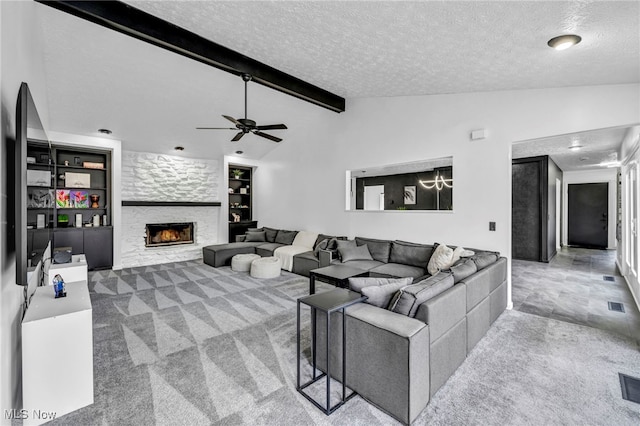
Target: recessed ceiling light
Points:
(239, 152)
(105, 131)
(564, 41)
(179, 148)
(575, 147)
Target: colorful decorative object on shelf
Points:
(58, 286)
(63, 220)
(63, 198)
(237, 173)
(80, 199)
(95, 201)
(90, 165)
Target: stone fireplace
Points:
(168, 234)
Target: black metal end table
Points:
(328, 302)
(338, 275)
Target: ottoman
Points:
(242, 262)
(266, 267)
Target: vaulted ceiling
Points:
(153, 99)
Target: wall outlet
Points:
(492, 226)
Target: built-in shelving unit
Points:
(240, 208)
(68, 193)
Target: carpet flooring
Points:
(188, 344)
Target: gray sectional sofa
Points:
(397, 362)
(402, 346)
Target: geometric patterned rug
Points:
(185, 343)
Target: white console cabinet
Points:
(74, 271)
(57, 352)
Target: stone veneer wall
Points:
(158, 177)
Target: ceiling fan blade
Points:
(233, 120)
(264, 135)
(272, 127)
(237, 137)
(216, 128)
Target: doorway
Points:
(588, 215)
(374, 197)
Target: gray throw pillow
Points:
(255, 236)
(379, 249)
(407, 300)
(271, 234)
(355, 253)
(462, 269)
(286, 237)
(359, 283)
(343, 244)
(326, 244)
(380, 296)
(485, 258)
(255, 229)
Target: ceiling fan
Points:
(246, 125)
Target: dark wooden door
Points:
(526, 220)
(588, 215)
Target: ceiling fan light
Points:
(564, 42)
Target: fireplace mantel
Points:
(172, 203)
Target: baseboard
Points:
(635, 299)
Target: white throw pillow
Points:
(440, 259)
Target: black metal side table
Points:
(338, 275)
(328, 302)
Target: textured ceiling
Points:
(598, 146)
(153, 99)
(388, 48)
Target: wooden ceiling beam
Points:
(133, 22)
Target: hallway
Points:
(572, 288)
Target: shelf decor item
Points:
(91, 165)
(78, 220)
(95, 201)
(237, 174)
(80, 199)
(77, 180)
(58, 286)
(63, 220)
(63, 198)
(243, 190)
(38, 178)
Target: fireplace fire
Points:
(168, 234)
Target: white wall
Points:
(631, 157)
(302, 182)
(609, 176)
(21, 61)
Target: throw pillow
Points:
(355, 253)
(359, 283)
(271, 234)
(321, 238)
(441, 259)
(255, 229)
(342, 244)
(407, 300)
(463, 269)
(285, 237)
(326, 244)
(380, 296)
(485, 258)
(379, 249)
(255, 236)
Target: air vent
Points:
(608, 278)
(616, 307)
(630, 388)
